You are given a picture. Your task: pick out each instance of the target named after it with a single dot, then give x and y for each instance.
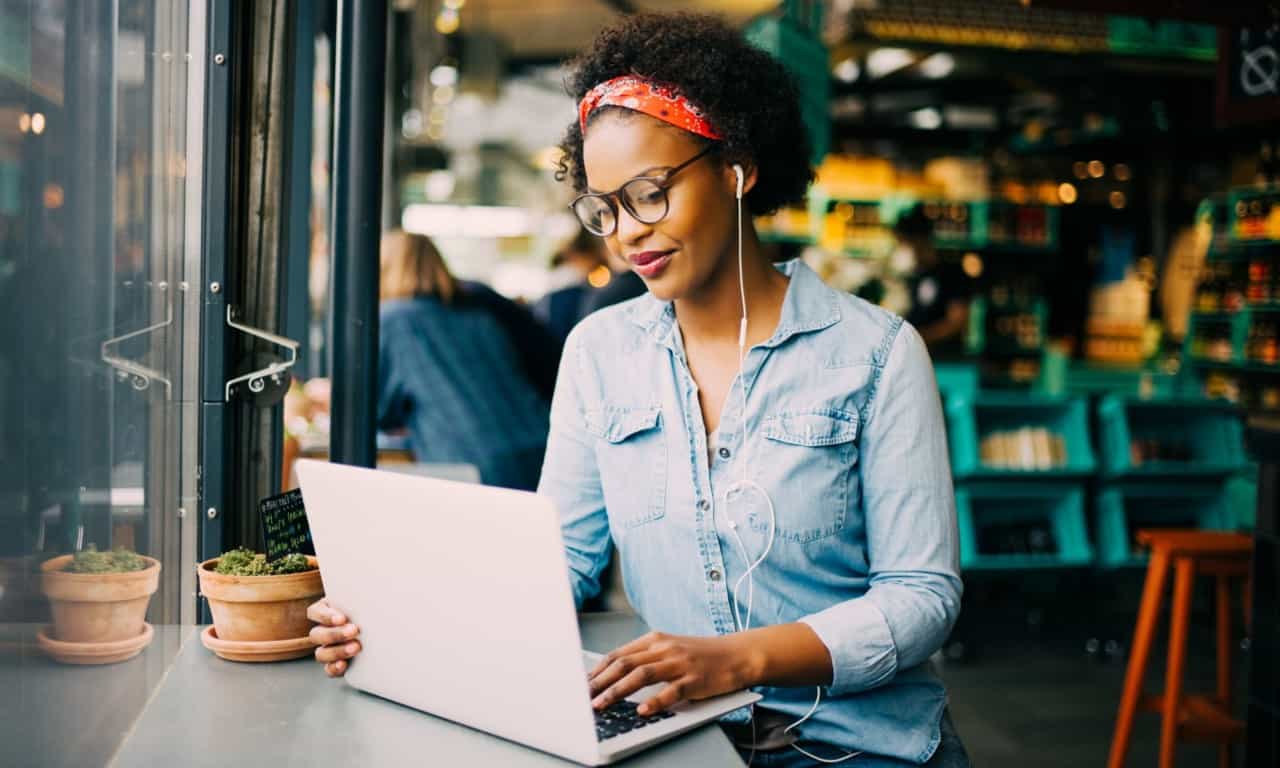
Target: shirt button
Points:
(714, 574)
(724, 453)
(704, 505)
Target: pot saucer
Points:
(94, 653)
(261, 650)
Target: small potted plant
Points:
(259, 607)
(99, 605)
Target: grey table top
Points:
(210, 712)
(56, 715)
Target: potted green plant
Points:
(99, 605)
(259, 607)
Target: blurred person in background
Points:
(765, 454)
(624, 285)
(940, 291)
(450, 371)
(581, 259)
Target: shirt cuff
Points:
(856, 633)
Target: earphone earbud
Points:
(741, 177)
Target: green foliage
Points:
(244, 562)
(119, 560)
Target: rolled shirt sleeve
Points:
(912, 544)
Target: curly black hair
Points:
(747, 95)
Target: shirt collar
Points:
(810, 305)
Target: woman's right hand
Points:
(334, 636)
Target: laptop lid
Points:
(462, 597)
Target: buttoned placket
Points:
(713, 472)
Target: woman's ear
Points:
(749, 177)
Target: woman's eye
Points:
(651, 195)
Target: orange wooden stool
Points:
(1184, 717)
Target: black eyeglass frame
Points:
(615, 198)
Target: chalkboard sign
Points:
(1249, 74)
(284, 526)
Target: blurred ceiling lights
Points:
(968, 117)
(886, 61)
(444, 74)
(938, 66)
(848, 71)
(31, 123)
(929, 118)
(448, 21)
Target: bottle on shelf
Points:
(1262, 346)
(1260, 280)
(1207, 292)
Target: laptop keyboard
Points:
(622, 718)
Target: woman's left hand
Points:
(693, 668)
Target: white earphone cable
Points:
(745, 483)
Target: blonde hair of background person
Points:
(412, 266)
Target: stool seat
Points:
(1196, 543)
(1223, 556)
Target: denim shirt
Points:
(844, 432)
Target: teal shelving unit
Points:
(994, 225)
(1023, 525)
(1238, 201)
(1216, 347)
(1231, 365)
(1242, 498)
(1236, 325)
(970, 420)
(1094, 379)
(1209, 434)
(956, 380)
(1125, 508)
(785, 237)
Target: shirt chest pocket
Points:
(808, 460)
(631, 454)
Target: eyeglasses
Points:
(644, 197)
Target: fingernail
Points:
(338, 619)
(350, 631)
(643, 709)
(351, 647)
(598, 701)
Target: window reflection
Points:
(98, 248)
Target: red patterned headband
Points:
(656, 100)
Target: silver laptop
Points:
(462, 596)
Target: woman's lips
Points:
(649, 264)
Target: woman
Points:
(766, 454)
(449, 370)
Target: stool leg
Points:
(1178, 620)
(1148, 615)
(1246, 605)
(1224, 659)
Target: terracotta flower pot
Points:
(258, 608)
(98, 607)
